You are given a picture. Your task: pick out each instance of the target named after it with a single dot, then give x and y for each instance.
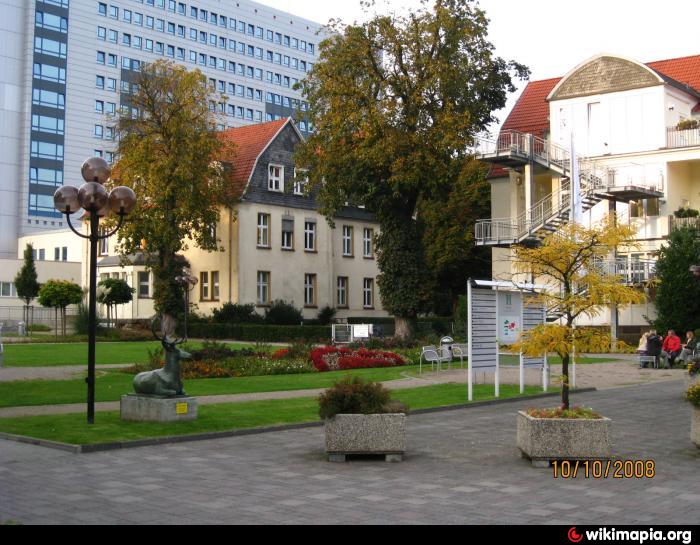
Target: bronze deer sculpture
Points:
(165, 382)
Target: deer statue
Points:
(164, 382)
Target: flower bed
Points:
(331, 358)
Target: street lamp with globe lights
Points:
(94, 199)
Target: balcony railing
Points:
(680, 223)
(682, 139)
(630, 271)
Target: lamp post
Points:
(94, 199)
(187, 283)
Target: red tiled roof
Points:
(684, 70)
(249, 142)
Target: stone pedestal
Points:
(144, 408)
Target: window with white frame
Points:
(310, 236)
(342, 297)
(204, 286)
(263, 230)
(287, 233)
(310, 290)
(368, 293)
(263, 287)
(301, 178)
(348, 241)
(7, 289)
(144, 278)
(275, 178)
(368, 243)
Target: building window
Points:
(275, 178)
(263, 230)
(7, 289)
(204, 286)
(348, 245)
(46, 176)
(287, 234)
(64, 253)
(368, 293)
(310, 290)
(44, 123)
(103, 247)
(301, 178)
(263, 288)
(368, 243)
(215, 286)
(645, 208)
(342, 297)
(144, 278)
(310, 236)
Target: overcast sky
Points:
(552, 36)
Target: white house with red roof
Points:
(275, 244)
(635, 131)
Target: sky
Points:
(551, 37)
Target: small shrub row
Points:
(260, 333)
(693, 394)
(331, 358)
(256, 366)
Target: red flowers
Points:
(330, 358)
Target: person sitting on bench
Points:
(671, 349)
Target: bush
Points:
(38, 328)
(326, 316)
(260, 333)
(283, 313)
(236, 314)
(686, 213)
(355, 396)
(693, 394)
(331, 358)
(687, 124)
(211, 350)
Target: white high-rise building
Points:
(66, 66)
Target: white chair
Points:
(435, 356)
(460, 351)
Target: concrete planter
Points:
(695, 426)
(543, 440)
(376, 434)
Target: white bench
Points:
(648, 360)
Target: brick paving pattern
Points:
(461, 468)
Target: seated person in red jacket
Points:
(671, 349)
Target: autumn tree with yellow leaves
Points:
(570, 263)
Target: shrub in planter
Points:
(331, 358)
(693, 396)
(360, 418)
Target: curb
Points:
(171, 440)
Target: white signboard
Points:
(360, 331)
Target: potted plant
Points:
(693, 395)
(361, 419)
(573, 265)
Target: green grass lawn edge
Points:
(72, 429)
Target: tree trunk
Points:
(404, 328)
(55, 321)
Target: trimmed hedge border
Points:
(261, 333)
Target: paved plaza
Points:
(462, 467)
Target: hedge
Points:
(261, 333)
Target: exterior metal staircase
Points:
(514, 150)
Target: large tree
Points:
(678, 292)
(168, 154)
(26, 282)
(447, 223)
(395, 103)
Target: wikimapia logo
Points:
(635, 536)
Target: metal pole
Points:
(92, 333)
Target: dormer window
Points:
(275, 178)
(301, 178)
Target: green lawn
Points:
(112, 385)
(213, 418)
(54, 355)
